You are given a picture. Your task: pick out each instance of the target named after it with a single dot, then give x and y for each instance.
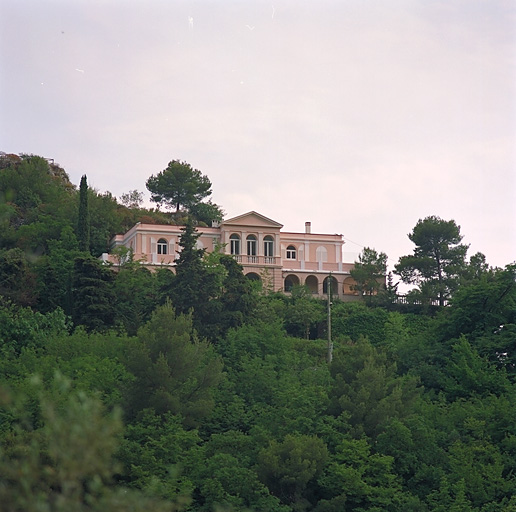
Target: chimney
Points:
(308, 227)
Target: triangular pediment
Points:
(252, 219)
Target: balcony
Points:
(255, 260)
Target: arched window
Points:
(251, 245)
(162, 246)
(289, 282)
(268, 248)
(312, 284)
(291, 252)
(234, 242)
(334, 286)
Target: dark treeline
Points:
(199, 391)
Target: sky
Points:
(361, 116)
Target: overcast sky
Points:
(360, 116)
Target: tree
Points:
(179, 186)
(369, 272)
(55, 273)
(437, 261)
(476, 268)
(83, 225)
(485, 312)
(207, 212)
(37, 201)
(174, 370)
(62, 457)
(136, 294)
(92, 294)
(303, 312)
(105, 221)
(133, 199)
(237, 299)
(194, 285)
(17, 281)
(287, 467)
(368, 389)
(356, 479)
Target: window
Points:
(268, 247)
(291, 252)
(312, 284)
(290, 282)
(234, 244)
(334, 286)
(251, 245)
(321, 254)
(162, 246)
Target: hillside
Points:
(201, 391)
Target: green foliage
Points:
(279, 385)
(36, 203)
(485, 305)
(83, 224)
(288, 467)
(485, 312)
(206, 213)
(303, 313)
(136, 292)
(174, 370)
(55, 273)
(227, 480)
(17, 281)
(106, 220)
(475, 269)
(357, 479)
(132, 199)
(355, 320)
(469, 374)
(92, 293)
(368, 389)
(236, 300)
(415, 413)
(181, 186)
(21, 327)
(369, 272)
(194, 285)
(438, 258)
(63, 459)
(154, 452)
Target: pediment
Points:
(252, 219)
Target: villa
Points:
(282, 259)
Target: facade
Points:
(280, 259)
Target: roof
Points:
(252, 218)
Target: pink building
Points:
(280, 259)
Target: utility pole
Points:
(329, 354)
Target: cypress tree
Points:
(193, 287)
(93, 297)
(83, 227)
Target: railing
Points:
(404, 299)
(255, 260)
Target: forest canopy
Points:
(200, 391)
